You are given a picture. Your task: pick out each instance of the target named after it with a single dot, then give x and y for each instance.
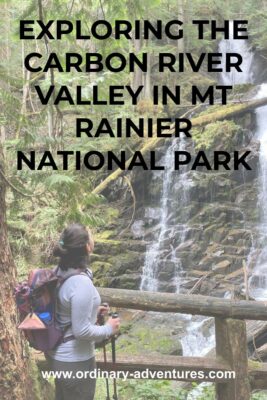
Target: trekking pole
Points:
(101, 320)
(113, 350)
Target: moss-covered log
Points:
(225, 112)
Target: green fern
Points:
(58, 180)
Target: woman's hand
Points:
(115, 324)
(103, 309)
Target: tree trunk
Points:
(181, 17)
(14, 368)
(147, 77)
(137, 78)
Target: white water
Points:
(175, 195)
(239, 46)
(258, 280)
(149, 279)
(195, 342)
(199, 338)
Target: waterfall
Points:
(195, 342)
(199, 337)
(174, 197)
(150, 271)
(258, 280)
(236, 46)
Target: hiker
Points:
(78, 304)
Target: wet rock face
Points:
(118, 263)
(259, 68)
(205, 233)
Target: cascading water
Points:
(150, 271)
(194, 342)
(239, 46)
(199, 337)
(258, 280)
(174, 197)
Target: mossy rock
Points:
(101, 271)
(142, 339)
(109, 247)
(130, 261)
(114, 247)
(121, 270)
(107, 234)
(127, 281)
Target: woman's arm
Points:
(82, 296)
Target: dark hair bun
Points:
(74, 236)
(71, 248)
(59, 250)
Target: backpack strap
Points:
(86, 272)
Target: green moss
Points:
(141, 339)
(41, 387)
(101, 271)
(109, 241)
(104, 235)
(217, 133)
(254, 364)
(125, 328)
(111, 214)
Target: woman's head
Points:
(75, 245)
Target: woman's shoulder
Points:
(76, 280)
(81, 279)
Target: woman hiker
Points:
(78, 304)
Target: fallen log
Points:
(258, 375)
(255, 329)
(182, 369)
(167, 367)
(185, 304)
(260, 354)
(225, 112)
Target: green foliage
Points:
(205, 392)
(259, 396)
(58, 180)
(258, 32)
(220, 133)
(150, 390)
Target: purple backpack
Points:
(36, 301)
